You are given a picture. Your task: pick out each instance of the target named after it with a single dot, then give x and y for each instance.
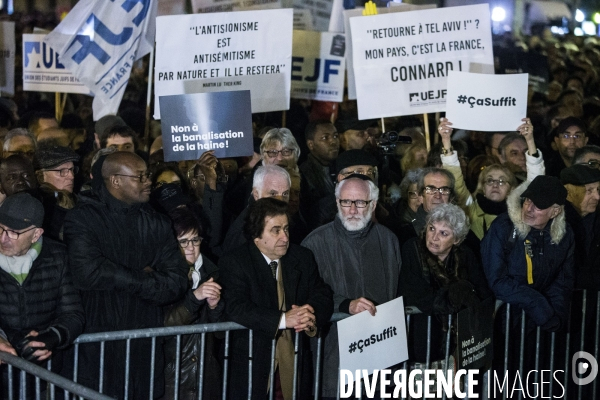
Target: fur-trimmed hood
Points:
(558, 226)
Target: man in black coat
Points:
(40, 310)
(127, 264)
(274, 288)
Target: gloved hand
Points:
(50, 337)
(462, 294)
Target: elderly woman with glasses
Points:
(201, 304)
(495, 181)
(439, 276)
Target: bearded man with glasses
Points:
(358, 258)
(127, 265)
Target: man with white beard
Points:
(359, 259)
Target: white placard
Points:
(42, 70)
(318, 66)
(7, 57)
(345, 20)
(484, 102)
(401, 60)
(246, 50)
(213, 6)
(320, 11)
(378, 342)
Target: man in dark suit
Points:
(272, 287)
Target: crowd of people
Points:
(98, 233)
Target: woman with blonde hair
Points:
(495, 181)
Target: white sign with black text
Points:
(483, 102)
(402, 60)
(369, 342)
(246, 50)
(318, 66)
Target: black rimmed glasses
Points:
(195, 241)
(142, 178)
(65, 171)
(13, 235)
(357, 203)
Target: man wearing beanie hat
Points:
(583, 187)
(40, 308)
(528, 253)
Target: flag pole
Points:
(426, 123)
(149, 98)
(437, 121)
(57, 106)
(382, 124)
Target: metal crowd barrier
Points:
(53, 380)
(506, 359)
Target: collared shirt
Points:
(268, 260)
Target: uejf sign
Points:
(330, 67)
(318, 66)
(43, 71)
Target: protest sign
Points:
(318, 66)
(373, 342)
(7, 57)
(99, 41)
(401, 60)
(246, 50)
(320, 11)
(195, 123)
(345, 22)
(212, 6)
(475, 331)
(42, 70)
(483, 102)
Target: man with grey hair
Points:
(358, 258)
(19, 141)
(269, 181)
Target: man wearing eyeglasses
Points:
(40, 309)
(55, 171)
(569, 136)
(127, 264)
(358, 258)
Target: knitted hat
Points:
(47, 157)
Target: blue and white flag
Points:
(98, 42)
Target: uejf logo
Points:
(582, 364)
